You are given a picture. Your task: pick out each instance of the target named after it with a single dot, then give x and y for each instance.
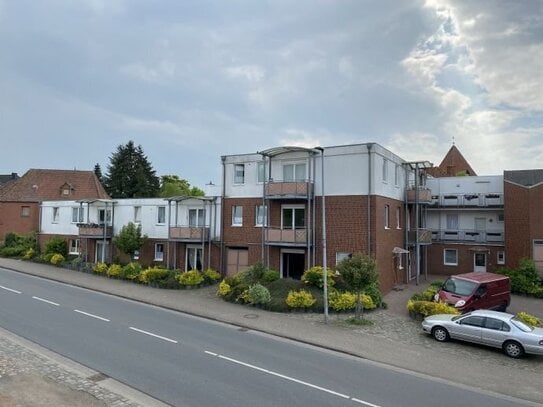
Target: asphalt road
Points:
(187, 361)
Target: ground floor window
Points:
(340, 256)
(74, 246)
(501, 257)
(159, 251)
(194, 259)
(450, 257)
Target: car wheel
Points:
(513, 349)
(440, 334)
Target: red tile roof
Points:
(40, 185)
(452, 165)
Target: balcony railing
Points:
(94, 230)
(425, 236)
(425, 195)
(290, 237)
(479, 200)
(468, 235)
(289, 189)
(189, 233)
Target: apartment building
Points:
(273, 208)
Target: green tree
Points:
(359, 272)
(130, 239)
(130, 174)
(98, 172)
(172, 185)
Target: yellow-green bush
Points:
(57, 258)
(342, 301)
(315, 277)
(100, 268)
(427, 308)
(131, 271)
(367, 302)
(256, 294)
(224, 289)
(300, 299)
(153, 274)
(114, 270)
(529, 319)
(211, 276)
(29, 254)
(190, 278)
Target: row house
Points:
(181, 232)
(273, 208)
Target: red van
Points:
(476, 290)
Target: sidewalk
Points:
(393, 339)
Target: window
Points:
(55, 215)
(397, 176)
(260, 171)
(66, 191)
(452, 221)
(161, 215)
(197, 217)
(496, 325)
(261, 215)
(194, 259)
(387, 210)
(159, 251)
(294, 172)
(501, 257)
(104, 216)
(385, 170)
(237, 215)
(476, 321)
(450, 257)
(340, 256)
(293, 218)
(398, 218)
(25, 211)
(75, 246)
(137, 214)
(77, 214)
(500, 217)
(239, 173)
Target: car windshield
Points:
(458, 286)
(523, 326)
(460, 316)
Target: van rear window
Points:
(460, 287)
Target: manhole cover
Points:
(97, 377)
(250, 316)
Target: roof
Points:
(481, 277)
(453, 164)
(41, 184)
(5, 178)
(271, 152)
(525, 178)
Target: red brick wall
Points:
(517, 213)
(465, 259)
(12, 221)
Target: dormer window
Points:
(66, 189)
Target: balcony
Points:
(424, 195)
(189, 233)
(94, 230)
(425, 236)
(468, 235)
(286, 237)
(479, 200)
(288, 190)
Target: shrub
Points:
(100, 268)
(252, 275)
(256, 294)
(426, 295)
(342, 301)
(211, 276)
(314, 277)
(131, 271)
(190, 278)
(530, 319)
(114, 270)
(56, 245)
(524, 279)
(16, 251)
(374, 293)
(300, 299)
(11, 239)
(170, 281)
(427, 308)
(224, 289)
(279, 290)
(153, 275)
(56, 259)
(367, 302)
(29, 254)
(270, 276)
(437, 284)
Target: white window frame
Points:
(106, 217)
(385, 170)
(340, 256)
(239, 174)
(260, 172)
(261, 215)
(237, 220)
(56, 214)
(200, 217)
(160, 221)
(387, 216)
(445, 257)
(74, 246)
(500, 257)
(452, 221)
(293, 225)
(398, 218)
(295, 170)
(78, 214)
(137, 214)
(159, 254)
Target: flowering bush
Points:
(314, 276)
(300, 299)
(211, 276)
(29, 254)
(100, 268)
(190, 278)
(224, 289)
(57, 258)
(341, 301)
(153, 275)
(114, 270)
(529, 319)
(131, 271)
(427, 308)
(256, 294)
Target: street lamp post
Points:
(324, 269)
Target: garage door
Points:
(538, 256)
(236, 260)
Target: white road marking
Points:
(46, 301)
(152, 334)
(292, 379)
(91, 315)
(10, 289)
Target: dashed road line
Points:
(91, 315)
(46, 301)
(153, 335)
(10, 289)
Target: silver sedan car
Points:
(492, 328)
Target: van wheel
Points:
(513, 349)
(440, 334)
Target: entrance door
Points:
(293, 265)
(479, 262)
(480, 228)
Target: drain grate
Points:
(98, 377)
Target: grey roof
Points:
(524, 177)
(271, 152)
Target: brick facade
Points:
(466, 252)
(13, 218)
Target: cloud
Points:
(251, 73)
(161, 72)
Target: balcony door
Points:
(294, 172)
(293, 217)
(480, 228)
(197, 217)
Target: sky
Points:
(191, 80)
